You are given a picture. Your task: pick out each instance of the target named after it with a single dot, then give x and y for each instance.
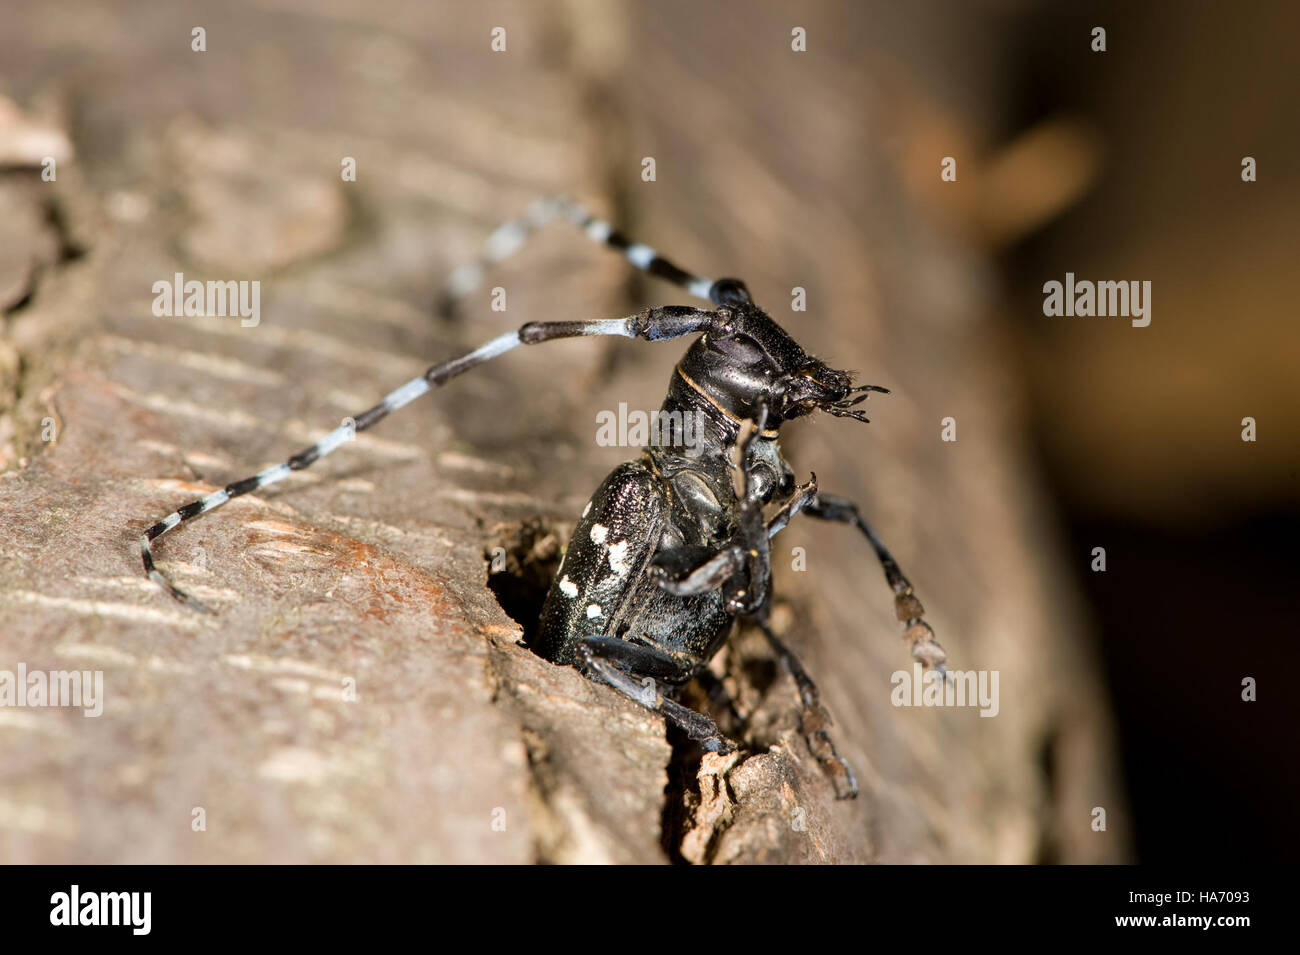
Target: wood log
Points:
(360, 694)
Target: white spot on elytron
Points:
(618, 558)
(568, 587)
(599, 532)
(586, 509)
(593, 611)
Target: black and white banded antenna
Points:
(652, 324)
(512, 236)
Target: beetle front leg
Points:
(803, 495)
(734, 561)
(742, 568)
(710, 575)
(919, 634)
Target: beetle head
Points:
(746, 359)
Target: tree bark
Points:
(360, 694)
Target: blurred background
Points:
(817, 168)
(1138, 432)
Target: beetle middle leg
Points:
(636, 671)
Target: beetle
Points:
(674, 546)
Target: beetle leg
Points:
(710, 575)
(718, 695)
(644, 662)
(625, 669)
(814, 719)
(803, 495)
(736, 559)
(919, 634)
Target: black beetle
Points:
(674, 545)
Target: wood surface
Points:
(788, 169)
